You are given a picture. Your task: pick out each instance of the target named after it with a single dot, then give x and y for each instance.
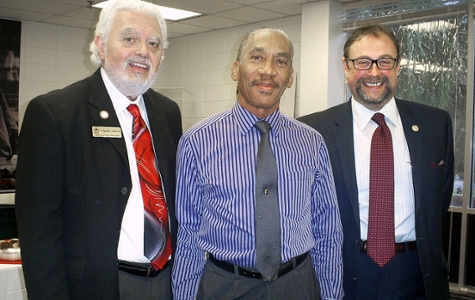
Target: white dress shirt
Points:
(131, 234)
(363, 128)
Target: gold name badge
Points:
(106, 132)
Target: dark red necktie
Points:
(157, 244)
(381, 195)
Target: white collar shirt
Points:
(132, 228)
(404, 207)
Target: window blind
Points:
(399, 12)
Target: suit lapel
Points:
(411, 131)
(343, 138)
(100, 102)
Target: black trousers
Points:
(300, 283)
(400, 279)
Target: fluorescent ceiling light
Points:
(167, 12)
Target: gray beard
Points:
(372, 101)
(129, 87)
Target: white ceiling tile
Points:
(248, 2)
(21, 15)
(213, 22)
(202, 6)
(216, 13)
(84, 13)
(250, 14)
(39, 6)
(178, 29)
(282, 6)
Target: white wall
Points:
(322, 83)
(198, 67)
(195, 72)
(51, 57)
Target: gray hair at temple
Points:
(245, 42)
(108, 13)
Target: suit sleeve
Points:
(328, 231)
(39, 202)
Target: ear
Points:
(99, 42)
(291, 80)
(345, 66)
(235, 71)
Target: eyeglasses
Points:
(366, 63)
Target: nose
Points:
(142, 49)
(374, 70)
(267, 68)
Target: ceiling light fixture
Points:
(168, 13)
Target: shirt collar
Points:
(246, 120)
(362, 115)
(119, 101)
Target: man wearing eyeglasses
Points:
(393, 164)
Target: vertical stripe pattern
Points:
(215, 199)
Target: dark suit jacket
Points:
(72, 188)
(428, 145)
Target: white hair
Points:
(109, 12)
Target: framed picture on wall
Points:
(10, 37)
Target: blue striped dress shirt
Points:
(215, 198)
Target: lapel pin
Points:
(104, 115)
(415, 128)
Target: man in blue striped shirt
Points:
(216, 252)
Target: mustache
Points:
(379, 79)
(266, 80)
(139, 60)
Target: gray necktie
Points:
(267, 207)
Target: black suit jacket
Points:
(72, 188)
(432, 157)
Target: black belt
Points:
(286, 268)
(140, 269)
(398, 247)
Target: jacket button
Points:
(98, 201)
(354, 278)
(124, 191)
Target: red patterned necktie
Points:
(157, 244)
(381, 195)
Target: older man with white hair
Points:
(96, 171)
